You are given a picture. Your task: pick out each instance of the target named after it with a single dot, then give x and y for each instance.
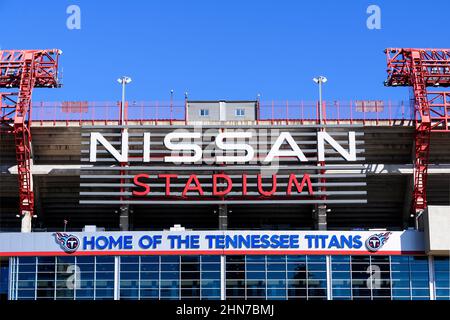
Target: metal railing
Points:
(266, 111)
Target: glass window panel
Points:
(86, 267)
(443, 292)
(170, 275)
(81, 260)
(210, 275)
(149, 284)
(276, 292)
(170, 259)
(260, 259)
(297, 292)
(235, 292)
(27, 260)
(170, 292)
(26, 284)
(190, 292)
(419, 276)
(340, 267)
(129, 259)
(420, 292)
(296, 266)
(149, 293)
(129, 275)
(317, 275)
(379, 259)
(235, 283)
(297, 283)
(149, 267)
(129, 267)
(46, 260)
(399, 259)
(400, 267)
(25, 294)
(276, 275)
(210, 283)
(400, 283)
(419, 267)
(235, 266)
(341, 275)
(276, 267)
(296, 258)
(190, 267)
(256, 275)
(210, 259)
(149, 259)
(149, 275)
(105, 259)
(296, 275)
(279, 259)
(401, 292)
(104, 294)
(340, 259)
(255, 267)
(442, 276)
(210, 293)
(342, 283)
(27, 268)
(316, 259)
(190, 275)
(441, 264)
(84, 293)
(170, 267)
(317, 267)
(27, 276)
(210, 266)
(342, 293)
(104, 267)
(235, 275)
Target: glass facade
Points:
(272, 277)
(276, 277)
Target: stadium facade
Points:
(226, 200)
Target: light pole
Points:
(321, 209)
(319, 80)
(124, 80)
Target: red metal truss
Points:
(25, 70)
(420, 69)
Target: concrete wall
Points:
(436, 223)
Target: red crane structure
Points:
(422, 69)
(24, 70)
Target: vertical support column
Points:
(10, 279)
(222, 277)
(321, 217)
(329, 279)
(222, 111)
(26, 222)
(27, 216)
(223, 225)
(124, 218)
(223, 217)
(431, 279)
(116, 277)
(407, 201)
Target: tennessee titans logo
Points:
(69, 243)
(376, 241)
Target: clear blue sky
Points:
(229, 49)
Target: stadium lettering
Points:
(193, 186)
(276, 150)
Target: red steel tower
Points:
(24, 70)
(422, 69)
